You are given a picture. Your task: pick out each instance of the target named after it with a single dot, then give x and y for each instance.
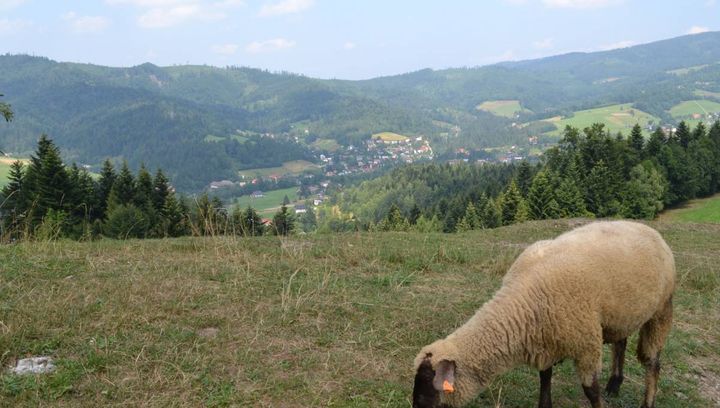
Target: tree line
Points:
(47, 199)
(590, 173)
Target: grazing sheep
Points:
(562, 298)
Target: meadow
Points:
(507, 108)
(268, 204)
(318, 320)
(390, 137)
(290, 167)
(617, 118)
(698, 106)
(704, 210)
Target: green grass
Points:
(699, 106)
(329, 145)
(390, 137)
(506, 108)
(324, 320)
(704, 210)
(272, 200)
(291, 167)
(617, 118)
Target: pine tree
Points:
(655, 143)
(173, 219)
(123, 189)
(513, 207)
(144, 190)
(540, 198)
(105, 184)
(682, 135)
(490, 215)
(12, 199)
(283, 222)
(471, 217)
(524, 178)
(570, 200)
(161, 191)
(637, 141)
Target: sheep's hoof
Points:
(613, 386)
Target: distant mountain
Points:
(204, 123)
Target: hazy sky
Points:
(338, 38)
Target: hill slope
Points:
(331, 320)
(163, 115)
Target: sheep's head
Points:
(430, 383)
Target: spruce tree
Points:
(540, 197)
(682, 135)
(161, 190)
(251, 223)
(415, 213)
(524, 178)
(144, 190)
(12, 199)
(570, 200)
(513, 207)
(636, 140)
(655, 143)
(174, 220)
(123, 189)
(471, 217)
(490, 215)
(105, 184)
(309, 220)
(283, 222)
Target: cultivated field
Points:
(329, 145)
(689, 108)
(270, 202)
(324, 320)
(704, 210)
(290, 167)
(507, 108)
(617, 118)
(390, 137)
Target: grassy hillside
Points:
(271, 200)
(507, 109)
(705, 210)
(617, 118)
(689, 108)
(328, 320)
(389, 137)
(291, 167)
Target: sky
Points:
(347, 39)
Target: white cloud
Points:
(697, 30)
(543, 44)
(8, 4)
(225, 49)
(581, 4)
(86, 24)
(349, 45)
(614, 46)
(10, 27)
(286, 7)
(167, 13)
(269, 45)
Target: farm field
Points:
(318, 320)
(506, 108)
(699, 106)
(291, 167)
(271, 200)
(390, 137)
(617, 118)
(704, 210)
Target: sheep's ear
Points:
(445, 376)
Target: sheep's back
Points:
(619, 272)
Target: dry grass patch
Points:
(327, 320)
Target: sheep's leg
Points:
(589, 366)
(650, 344)
(545, 394)
(616, 379)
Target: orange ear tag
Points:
(447, 387)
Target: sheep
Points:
(561, 299)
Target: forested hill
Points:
(204, 123)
